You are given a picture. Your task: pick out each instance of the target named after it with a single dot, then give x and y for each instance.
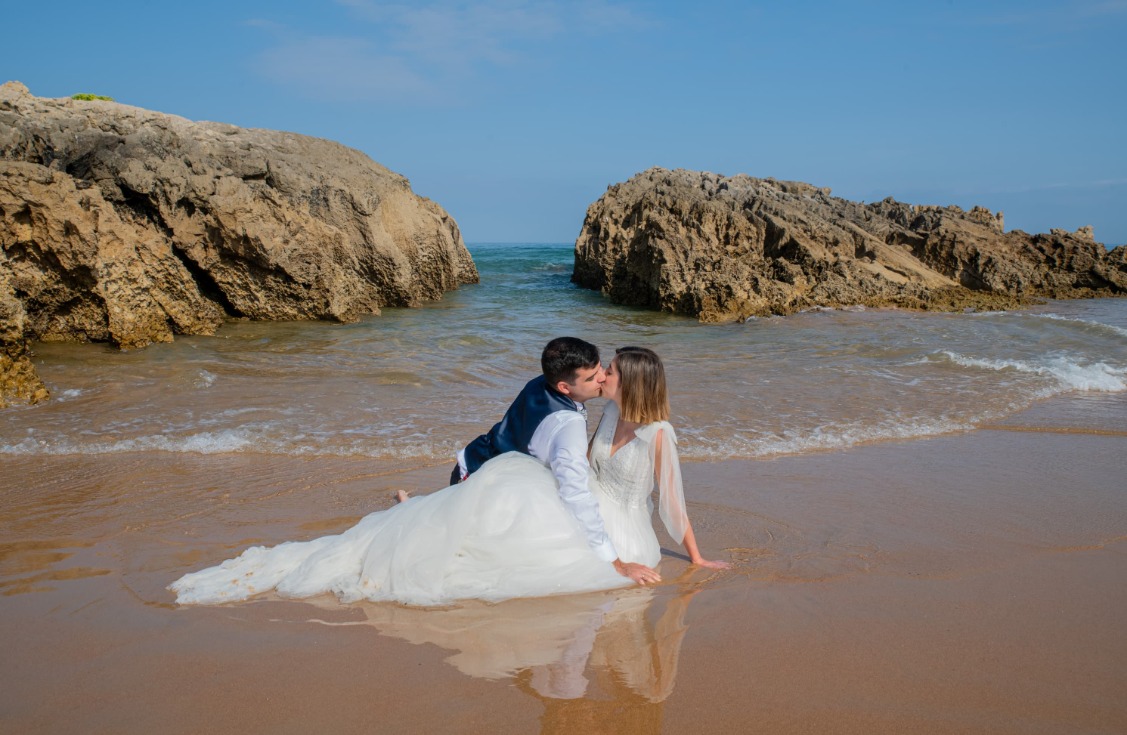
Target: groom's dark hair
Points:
(563, 356)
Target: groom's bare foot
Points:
(401, 496)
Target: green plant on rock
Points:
(84, 96)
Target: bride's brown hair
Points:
(642, 396)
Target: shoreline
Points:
(972, 582)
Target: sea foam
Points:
(1067, 373)
(827, 437)
(1111, 328)
(207, 442)
(240, 440)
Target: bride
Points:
(503, 532)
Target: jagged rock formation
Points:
(128, 226)
(724, 248)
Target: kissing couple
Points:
(533, 509)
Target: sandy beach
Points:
(974, 582)
(266, 267)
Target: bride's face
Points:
(611, 384)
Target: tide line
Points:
(1052, 430)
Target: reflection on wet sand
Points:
(31, 565)
(631, 670)
(601, 662)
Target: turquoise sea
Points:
(418, 383)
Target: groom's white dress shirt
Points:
(560, 441)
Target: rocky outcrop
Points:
(18, 379)
(124, 225)
(725, 248)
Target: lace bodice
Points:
(627, 478)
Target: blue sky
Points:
(515, 116)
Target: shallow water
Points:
(416, 384)
(880, 589)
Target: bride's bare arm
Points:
(690, 544)
(690, 539)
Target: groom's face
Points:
(587, 384)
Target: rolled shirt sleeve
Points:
(561, 441)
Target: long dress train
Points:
(502, 533)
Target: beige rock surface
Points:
(125, 225)
(725, 248)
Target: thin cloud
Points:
(480, 33)
(1074, 15)
(1109, 7)
(342, 69)
(424, 52)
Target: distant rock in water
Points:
(123, 225)
(725, 248)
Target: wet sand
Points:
(968, 583)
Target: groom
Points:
(549, 422)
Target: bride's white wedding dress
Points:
(502, 533)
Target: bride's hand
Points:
(702, 562)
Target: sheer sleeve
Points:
(662, 443)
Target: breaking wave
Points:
(1066, 373)
(240, 440)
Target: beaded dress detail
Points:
(624, 484)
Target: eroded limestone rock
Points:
(725, 248)
(125, 225)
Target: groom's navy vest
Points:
(514, 432)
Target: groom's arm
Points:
(563, 445)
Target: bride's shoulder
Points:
(654, 430)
